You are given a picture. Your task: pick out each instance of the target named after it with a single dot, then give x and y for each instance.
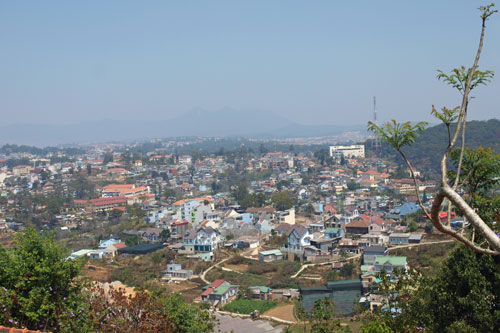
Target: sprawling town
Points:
(249, 167)
(248, 232)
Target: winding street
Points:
(202, 276)
(304, 266)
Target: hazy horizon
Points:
(311, 63)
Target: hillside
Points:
(428, 148)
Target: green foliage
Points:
(282, 200)
(433, 141)
(412, 227)
(376, 326)
(108, 157)
(459, 77)
(240, 191)
(253, 200)
(187, 317)
(322, 318)
(347, 270)
(462, 297)
(39, 289)
(165, 234)
(237, 260)
(447, 116)
(113, 311)
(82, 188)
(247, 306)
(353, 186)
(466, 289)
(332, 276)
(397, 135)
(480, 170)
(323, 155)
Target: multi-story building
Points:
(201, 240)
(347, 151)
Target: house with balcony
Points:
(399, 238)
(298, 238)
(175, 272)
(202, 240)
(389, 264)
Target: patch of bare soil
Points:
(284, 312)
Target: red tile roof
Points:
(108, 201)
(217, 283)
(207, 292)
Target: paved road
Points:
(202, 276)
(323, 264)
(245, 325)
(420, 244)
(303, 267)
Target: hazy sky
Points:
(313, 62)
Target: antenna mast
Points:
(376, 140)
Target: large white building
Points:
(347, 151)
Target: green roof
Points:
(263, 289)
(344, 285)
(222, 290)
(393, 260)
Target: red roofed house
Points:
(218, 292)
(101, 204)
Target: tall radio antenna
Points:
(376, 140)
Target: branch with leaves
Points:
(399, 135)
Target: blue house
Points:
(333, 232)
(245, 217)
(104, 244)
(406, 208)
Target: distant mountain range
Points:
(221, 123)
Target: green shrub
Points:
(247, 306)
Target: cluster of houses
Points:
(107, 249)
(221, 292)
(345, 206)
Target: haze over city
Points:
(311, 63)
(249, 166)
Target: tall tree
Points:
(282, 200)
(400, 135)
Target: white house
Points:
(202, 240)
(298, 238)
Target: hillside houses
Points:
(219, 292)
(201, 240)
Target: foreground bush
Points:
(41, 290)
